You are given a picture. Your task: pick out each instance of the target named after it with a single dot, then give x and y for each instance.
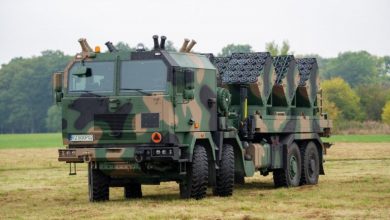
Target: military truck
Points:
(149, 116)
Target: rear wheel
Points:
(291, 175)
(310, 164)
(133, 190)
(195, 184)
(98, 185)
(225, 174)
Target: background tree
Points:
(372, 99)
(122, 46)
(384, 66)
(54, 118)
(345, 99)
(169, 46)
(235, 48)
(386, 113)
(274, 49)
(331, 109)
(26, 91)
(354, 67)
(387, 64)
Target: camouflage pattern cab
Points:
(144, 117)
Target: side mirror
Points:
(58, 96)
(57, 82)
(83, 71)
(57, 86)
(188, 94)
(189, 79)
(189, 84)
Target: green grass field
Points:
(380, 138)
(54, 140)
(34, 185)
(49, 140)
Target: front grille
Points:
(150, 120)
(114, 122)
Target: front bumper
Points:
(123, 154)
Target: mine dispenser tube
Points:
(244, 102)
(244, 110)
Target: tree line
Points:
(355, 85)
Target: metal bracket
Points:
(74, 171)
(183, 168)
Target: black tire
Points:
(310, 164)
(239, 179)
(195, 184)
(291, 176)
(98, 185)
(133, 190)
(225, 173)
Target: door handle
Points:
(114, 103)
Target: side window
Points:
(94, 77)
(148, 75)
(179, 81)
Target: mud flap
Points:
(278, 156)
(249, 168)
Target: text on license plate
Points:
(81, 137)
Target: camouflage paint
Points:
(283, 108)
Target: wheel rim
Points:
(293, 168)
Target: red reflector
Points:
(156, 137)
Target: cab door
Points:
(195, 100)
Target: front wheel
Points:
(98, 185)
(195, 183)
(290, 176)
(225, 173)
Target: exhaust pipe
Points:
(189, 48)
(184, 46)
(85, 46)
(162, 43)
(111, 47)
(155, 40)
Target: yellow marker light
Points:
(196, 125)
(156, 137)
(97, 49)
(246, 108)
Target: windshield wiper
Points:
(86, 91)
(138, 90)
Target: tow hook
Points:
(139, 158)
(87, 157)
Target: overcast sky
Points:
(311, 26)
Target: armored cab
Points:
(144, 117)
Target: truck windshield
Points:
(143, 75)
(98, 77)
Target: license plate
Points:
(81, 137)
